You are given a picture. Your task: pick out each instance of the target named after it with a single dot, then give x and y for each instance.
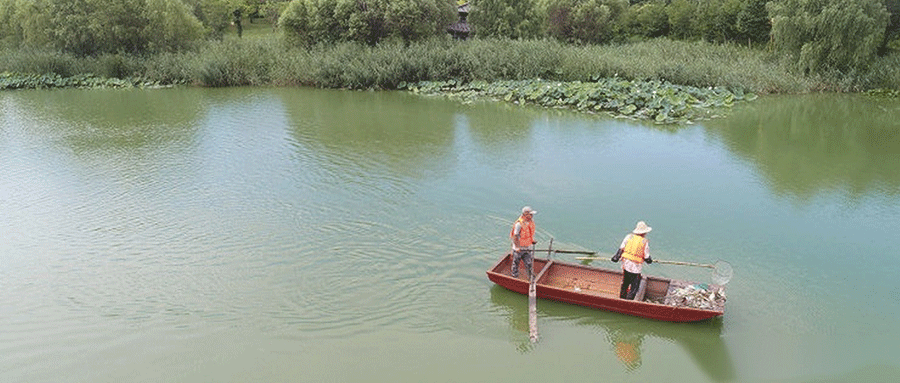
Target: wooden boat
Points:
(599, 288)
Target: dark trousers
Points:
(526, 256)
(629, 280)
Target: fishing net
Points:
(722, 272)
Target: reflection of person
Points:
(628, 347)
(522, 235)
(635, 250)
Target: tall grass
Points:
(265, 60)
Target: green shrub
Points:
(41, 61)
(236, 62)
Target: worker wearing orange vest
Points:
(522, 236)
(635, 250)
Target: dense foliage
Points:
(310, 22)
(91, 27)
(517, 19)
(584, 21)
(823, 35)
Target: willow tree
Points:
(91, 27)
(823, 35)
(892, 33)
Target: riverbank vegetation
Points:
(753, 46)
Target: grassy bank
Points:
(264, 60)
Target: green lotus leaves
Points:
(11, 80)
(656, 101)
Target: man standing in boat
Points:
(635, 250)
(522, 235)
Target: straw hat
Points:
(642, 228)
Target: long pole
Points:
(568, 251)
(532, 311)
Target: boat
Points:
(657, 298)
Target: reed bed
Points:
(267, 61)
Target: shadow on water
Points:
(702, 340)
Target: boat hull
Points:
(597, 288)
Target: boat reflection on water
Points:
(626, 334)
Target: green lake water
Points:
(302, 235)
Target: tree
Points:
(364, 20)
(724, 17)
(682, 19)
(822, 35)
(294, 22)
(88, 27)
(217, 16)
(170, 25)
(92, 27)
(309, 22)
(753, 21)
(892, 33)
(647, 19)
(505, 18)
(588, 21)
(417, 19)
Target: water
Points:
(304, 235)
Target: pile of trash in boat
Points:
(696, 295)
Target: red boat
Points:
(657, 298)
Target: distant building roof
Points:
(460, 29)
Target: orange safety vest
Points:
(526, 234)
(634, 249)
